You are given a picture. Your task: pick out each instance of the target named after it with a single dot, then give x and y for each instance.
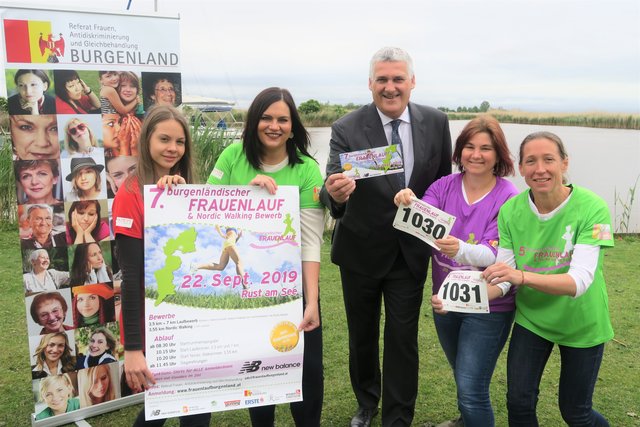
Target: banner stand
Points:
(73, 57)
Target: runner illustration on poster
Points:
(229, 251)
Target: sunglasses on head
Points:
(80, 128)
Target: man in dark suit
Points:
(375, 259)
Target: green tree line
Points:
(317, 114)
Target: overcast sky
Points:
(535, 55)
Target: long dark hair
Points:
(105, 312)
(61, 78)
(67, 359)
(79, 272)
(82, 205)
(42, 75)
(251, 144)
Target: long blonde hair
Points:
(68, 361)
(69, 143)
(63, 379)
(86, 378)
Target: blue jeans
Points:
(527, 357)
(472, 343)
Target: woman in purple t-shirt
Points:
(472, 342)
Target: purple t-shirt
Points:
(476, 224)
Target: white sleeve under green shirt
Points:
(232, 168)
(546, 246)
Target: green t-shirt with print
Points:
(232, 168)
(546, 247)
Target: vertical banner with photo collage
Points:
(78, 86)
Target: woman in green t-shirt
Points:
(550, 247)
(275, 151)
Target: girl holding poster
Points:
(274, 151)
(165, 158)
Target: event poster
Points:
(78, 87)
(223, 287)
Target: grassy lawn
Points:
(616, 394)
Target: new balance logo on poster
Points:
(250, 367)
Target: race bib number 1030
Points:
(424, 221)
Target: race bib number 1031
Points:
(465, 292)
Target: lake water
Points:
(602, 160)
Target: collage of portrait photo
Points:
(75, 136)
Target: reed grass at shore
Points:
(329, 114)
(591, 119)
(325, 118)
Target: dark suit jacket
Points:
(364, 240)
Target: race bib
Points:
(423, 221)
(464, 292)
